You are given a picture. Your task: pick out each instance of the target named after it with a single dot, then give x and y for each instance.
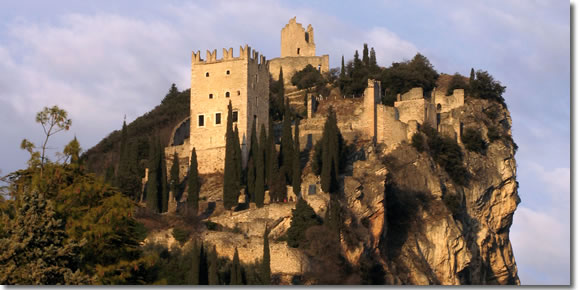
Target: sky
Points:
(104, 60)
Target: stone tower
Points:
(296, 41)
(244, 81)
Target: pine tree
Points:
(195, 263)
(193, 183)
(265, 271)
(174, 175)
(297, 166)
(365, 58)
(213, 278)
(37, 251)
(230, 183)
(287, 146)
(236, 271)
(471, 76)
(356, 62)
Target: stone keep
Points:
(297, 50)
(244, 81)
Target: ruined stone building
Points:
(243, 80)
(297, 50)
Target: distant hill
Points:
(158, 122)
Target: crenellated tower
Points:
(243, 80)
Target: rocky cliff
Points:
(405, 221)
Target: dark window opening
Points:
(218, 118)
(227, 94)
(238, 93)
(211, 96)
(298, 51)
(207, 75)
(234, 116)
(200, 121)
(318, 68)
(438, 107)
(228, 72)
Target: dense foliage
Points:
(303, 217)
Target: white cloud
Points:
(543, 247)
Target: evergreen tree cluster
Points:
(329, 155)
(354, 75)
(233, 164)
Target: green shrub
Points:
(307, 78)
(447, 154)
(181, 235)
(211, 226)
(484, 86)
(457, 82)
(452, 202)
(473, 141)
(493, 134)
(418, 141)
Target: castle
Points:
(244, 81)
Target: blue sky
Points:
(101, 60)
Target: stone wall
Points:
(445, 103)
(290, 65)
(419, 110)
(412, 94)
(390, 130)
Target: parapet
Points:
(246, 52)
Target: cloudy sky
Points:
(102, 60)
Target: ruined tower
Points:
(244, 81)
(295, 41)
(297, 50)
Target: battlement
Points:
(246, 52)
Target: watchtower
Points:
(244, 81)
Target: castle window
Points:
(318, 68)
(218, 118)
(207, 75)
(238, 93)
(228, 72)
(298, 51)
(200, 121)
(211, 96)
(235, 116)
(227, 94)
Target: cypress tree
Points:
(236, 271)
(287, 146)
(270, 151)
(259, 185)
(153, 189)
(237, 159)
(193, 183)
(330, 154)
(365, 58)
(213, 278)
(296, 168)
(194, 280)
(174, 175)
(374, 67)
(281, 84)
(265, 271)
(342, 72)
(251, 186)
(303, 217)
(123, 166)
(230, 184)
(332, 219)
(203, 267)
(164, 187)
(356, 62)
(471, 76)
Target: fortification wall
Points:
(412, 94)
(295, 41)
(390, 130)
(419, 110)
(290, 65)
(445, 103)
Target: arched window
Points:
(211, 96)
(227, 94)
(207, 75)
